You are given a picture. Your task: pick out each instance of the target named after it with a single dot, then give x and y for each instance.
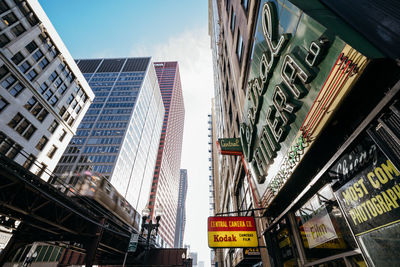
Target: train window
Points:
(107, 188)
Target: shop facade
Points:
(320, 134)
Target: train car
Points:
(97, 188)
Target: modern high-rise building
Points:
(165, 187)
(181, 210)
(43, 95)
(120, 133)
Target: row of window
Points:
(103, 125)
(97, 159)
(10, 82)
(44, 253)
(8, 146)
(96, 141)
(36, 109)
(100, 133)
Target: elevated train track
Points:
(48, 215)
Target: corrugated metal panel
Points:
(386, 133)
(377, 20)
(88, 65)
(111, 65)
(136, 64)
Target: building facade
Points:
(316, 95)
(165, 186)
(119, 134)
(38, 77)
(181, 210)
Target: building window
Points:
(9, 81)
(31, 46)
(62, 111)
(8, 147)
(16, 89)
(53, 100)
(71, 121)
(53, 126)
(3, 71)
(3, 103)
(18, 30)
(10, 19)
(48, 94)
(52, 151)
(43, 87)
(41, 170)
(62, 135)
(4, 40)
(53, 76)
(233, 21)
(31, 102)
(42, 142)
(3, 7)
(62, 89)
(29, 161)
(22, 126)
(239, 47)
(78, 109)
(43, 115)
(17, 58)
(245, 4)
(36, 109)
(24, 67)
(31, 75)
(43, 64)
(37, 55)
(58, 82)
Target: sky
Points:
(166, 30)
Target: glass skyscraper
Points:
(165, 187)
(119, 134)
(181, 211)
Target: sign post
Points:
(132, 245)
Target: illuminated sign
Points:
(298, 77)
(371, 198)
(230, 146)
(232, 232)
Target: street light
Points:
(147, 223)
(186, 260)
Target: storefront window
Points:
(322, 227)
(368, 191)
(280, 245)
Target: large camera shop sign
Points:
(286, 73)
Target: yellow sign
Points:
(232, 232)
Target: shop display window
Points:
(322, 226)
(368, 191)
(281, 246)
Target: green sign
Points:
(133, 242)
(292, 58)
(230, 146)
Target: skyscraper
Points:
(181, 210)
(119, 135)
(43, 95)
(165, 187)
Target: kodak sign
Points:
(232, 232)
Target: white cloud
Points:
(192, 51)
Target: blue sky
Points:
(167, 30)
(92, 27)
